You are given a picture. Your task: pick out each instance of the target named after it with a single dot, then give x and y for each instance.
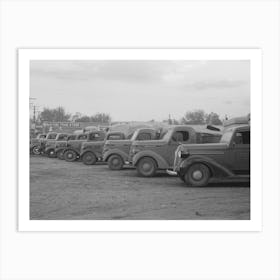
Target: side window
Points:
(71, 137)
(82, 137)
(144, 136)
(62, 137)
(52, 136)
(242, 138)
(94, 136)
(180, 136)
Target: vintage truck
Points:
(116, 152)
(91, 152)
(229, 159)
(41, 147)
(50, 145)
(60, 146)
(150, 156)
(73, 149)
(35, 144)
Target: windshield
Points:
(51, 136)
(227, 136)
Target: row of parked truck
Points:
(195, 153)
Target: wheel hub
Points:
(146, 166)
(197, 175)
(115, 161)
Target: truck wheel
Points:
(146, 167)
(60, 154)
(36, 150)
(70, 155)
(115, 162)
(197, 175)
(51, 153)
(89, 158)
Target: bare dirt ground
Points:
(62, 190)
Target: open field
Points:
(70, 191)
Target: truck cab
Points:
(91, 152)
(116, 152)
(73, 149)
(149, 156)
(60, 146)
(50, 145)
(230, 158)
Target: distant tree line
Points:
(200, 117)
(191, 117)
(59, 115)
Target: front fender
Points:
(98, 155)
(49, 148)
(161, 162)
(35, 145)
(116, 152)
(216, 169)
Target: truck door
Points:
(241, 151)
(177, 138)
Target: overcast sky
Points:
(142, 90)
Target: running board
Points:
(171, 172)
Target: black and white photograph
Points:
(140, 139)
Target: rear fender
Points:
(118, 152)
(216, 169)
(161, 162)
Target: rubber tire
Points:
(51, 153)
(68, 153)
(148, 161)
(114, 166)
(89, 158)
(36, 150)
(191, 181)
(60, 154)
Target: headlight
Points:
(179, 154)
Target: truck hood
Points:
(60, 144)
(149, 143)
(201, 148)
(91, 144)
(112, 143)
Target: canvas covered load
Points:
(129, 128)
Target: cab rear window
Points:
(94, 136)
(82, 137)
(181, 136)
(144, 136)
(115, 137)
(242, 138)
(72, 137)
(52, 136)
